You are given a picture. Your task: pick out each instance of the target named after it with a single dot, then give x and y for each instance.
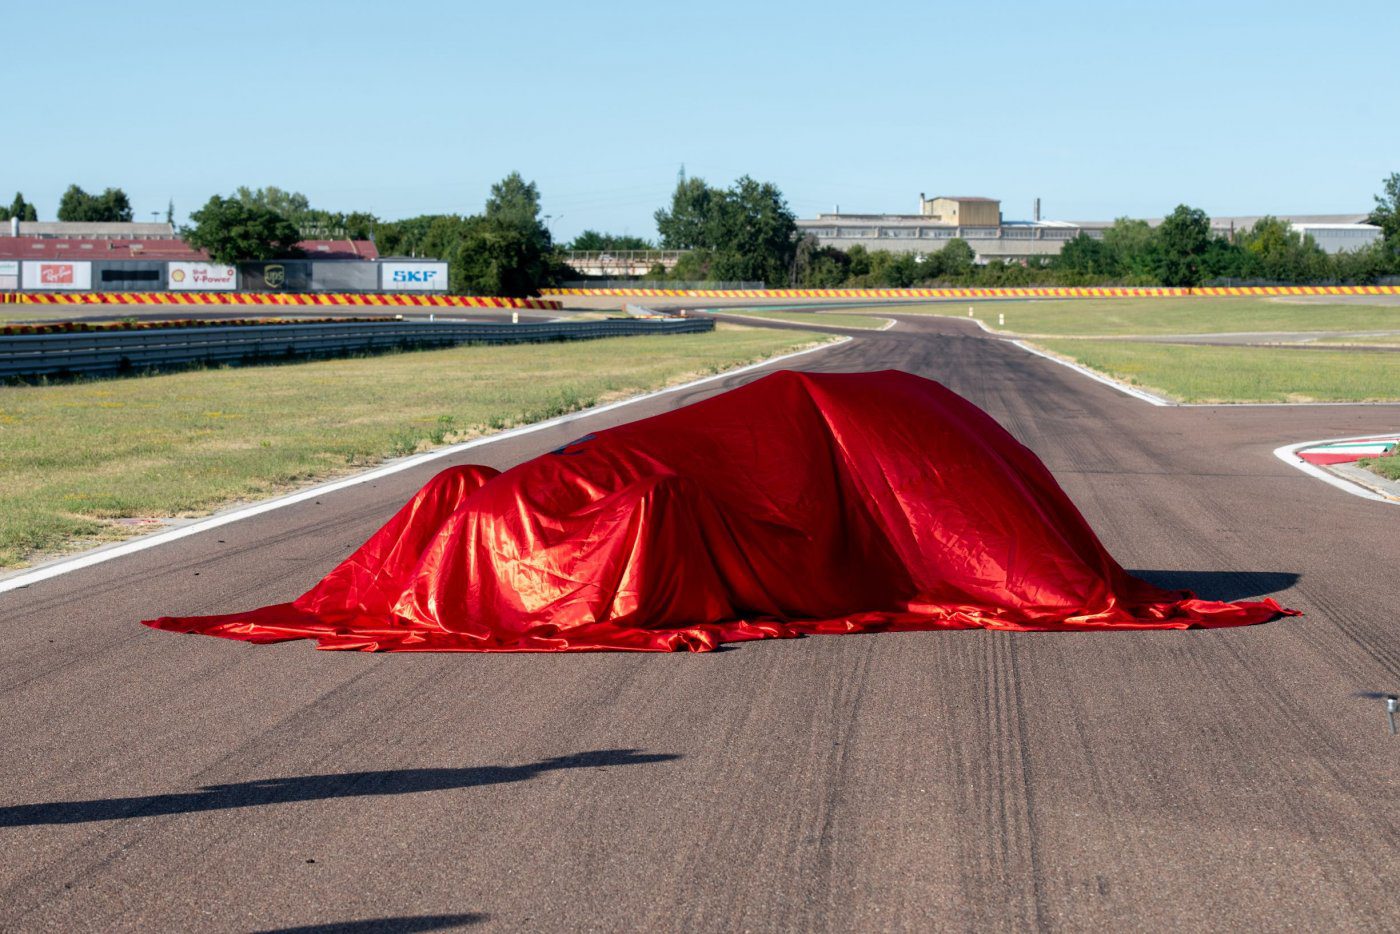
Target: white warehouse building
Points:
(978, 221)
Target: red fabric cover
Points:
(1345, 457)
(800, 503)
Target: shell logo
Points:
(177, 275)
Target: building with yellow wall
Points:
(961, 212)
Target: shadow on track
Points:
(385, 925)
(1222, 585)
(311, 788)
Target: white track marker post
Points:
(1001, 320)
(969, 311)
(515, 317)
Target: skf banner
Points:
(416, 277)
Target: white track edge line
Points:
(1096, 377)
(1167, 403)
(1288, 453)
(78, 562)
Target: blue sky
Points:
(1100, 109)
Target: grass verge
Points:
(1388, 339)
(1193, 373)
(86, 462)
(1388, 467)
(1119, 317)
(802, 317)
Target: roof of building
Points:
(1244, 222)
(52, 248)
(69, 248)
(1309, 225)
(964, 198)
(129, 230)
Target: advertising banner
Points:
(413, 277)
(9, 274)
(202, 277)
(57, 275)
(344, 276)
(276, 276)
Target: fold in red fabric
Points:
(799, 503)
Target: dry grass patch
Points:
(74, 456)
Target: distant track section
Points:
(117, 351)
(956, 293)
(395, 299)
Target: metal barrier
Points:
(1096, 291)
(431, 299)
(116, 351)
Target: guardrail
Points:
(994, 293)
(28, 355)
(375, 299)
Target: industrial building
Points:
(148, 257)
(979, 222)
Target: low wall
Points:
(274, 298)
(961, 293)
(116, 351)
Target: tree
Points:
(746, 231)
(1087, 258)
(293, 205)
(505, 251)
(170, 212)
(686, 226)
(1133, 247)
(754, 234)
(956, 259)
(498, 258)
(515, 201)
(19, 208)
(77, 206)
(1278, 252)
(591, 241)
(316, 224)
(311, 223)
(1386, 216)
(231, 231)
(1184, 239)
(819, 267)
(509, 250)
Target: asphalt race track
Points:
(959, 781)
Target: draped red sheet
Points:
(799, 503)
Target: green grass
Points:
(75, 458)
(1155, 316)
(1242, 374)
(800, 317)
(1387, 339)
(1388, 467)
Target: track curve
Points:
(904, 782)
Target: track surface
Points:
(961, 780)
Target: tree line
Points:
(747, 232)
(109, 206)
(504, 250)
